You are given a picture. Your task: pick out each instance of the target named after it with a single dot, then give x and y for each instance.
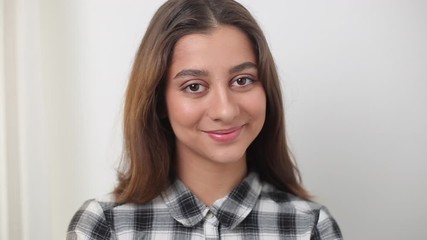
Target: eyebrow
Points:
(242, 66)
(204, 73)
(191, 73)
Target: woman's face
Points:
(215, 102)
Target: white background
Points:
(354, 75)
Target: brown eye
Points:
(194, 88)
(242, 81)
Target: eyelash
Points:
(187, 88)
(251, 81)
(234, 83)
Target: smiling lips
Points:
(225, 135)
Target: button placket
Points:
(210, 225)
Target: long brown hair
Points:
(149, 142)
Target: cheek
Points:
(181, 111)
(258, 107)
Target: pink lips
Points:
(225, 135)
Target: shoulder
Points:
(294, 210)
(91, 220)
(286, 201)
(103, 218)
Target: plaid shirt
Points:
(253, 210)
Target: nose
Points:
(223, 106)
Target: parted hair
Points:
(148, 162)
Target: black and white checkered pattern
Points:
(254, 210)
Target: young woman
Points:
(205, 147)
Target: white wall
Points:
(354, 81)
(3, 182)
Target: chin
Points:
(227, 158)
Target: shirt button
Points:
(209, 215)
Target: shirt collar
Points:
(230, 210)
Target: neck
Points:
(211, 181)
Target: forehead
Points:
(222, 46)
